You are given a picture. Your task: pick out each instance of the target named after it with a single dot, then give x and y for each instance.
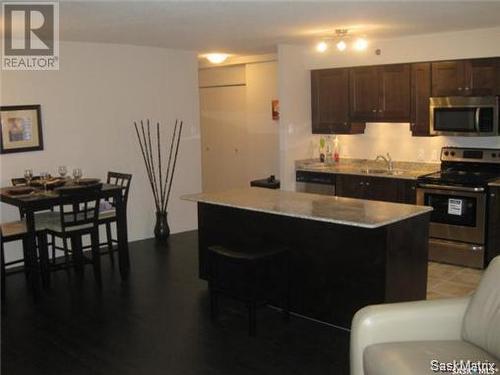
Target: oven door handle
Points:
(456, 188)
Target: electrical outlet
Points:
(420, 154)
(434, 155)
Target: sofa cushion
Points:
(482, 318)
(415, 357)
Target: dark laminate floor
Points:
(157, 323)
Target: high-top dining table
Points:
(41, 199)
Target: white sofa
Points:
(403, 338)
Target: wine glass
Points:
(28, 175)
(77, 174)
(62, 171)
(44, 176)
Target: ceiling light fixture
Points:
(216, 58)
(341, 46)
(341, 38)
(360, 44)
(341, 34)
(321, 46)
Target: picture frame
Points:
(275, 109)
(21, 128)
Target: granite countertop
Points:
(331, 209)
(404, 170)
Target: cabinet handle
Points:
(379, 111)
(361, 183)
(492, 195)
(374, 110)
(467, 88)
(367, 184)
(459, 89)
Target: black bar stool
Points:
(255, 276)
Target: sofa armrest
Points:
(406, 321)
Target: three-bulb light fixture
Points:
(341, 36)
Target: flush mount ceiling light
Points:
(216, 58)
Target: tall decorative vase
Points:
(162, 230)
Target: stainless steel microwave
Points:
(464, 115)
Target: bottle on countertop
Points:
(329, 149)
(322, 149)
(336, 150)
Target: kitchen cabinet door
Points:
(493, 230)
(420, 94)
(330, 103)
(482, 77)
(381, 189)
(407, 191)
(448, 78)
(329, 100)
(394, 91)
(364, 94)
(351, 186)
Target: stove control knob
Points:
(446, 153)
(493, 155)
(453, 153)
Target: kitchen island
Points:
(344, 253)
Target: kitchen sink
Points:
(394, 172)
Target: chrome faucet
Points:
(387, 159)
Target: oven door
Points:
(459, 213)
(469, 116)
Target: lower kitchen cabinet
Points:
(376, 188)
(493, 233)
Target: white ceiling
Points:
(257, 27)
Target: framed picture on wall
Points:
(21, 129)
(275, 106)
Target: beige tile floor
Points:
(447, 281)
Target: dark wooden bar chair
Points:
(40, 217)
(16, 231)
(108, 216)
(9, 232)
(256, 276)
(78, 216)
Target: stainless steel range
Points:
(458, 194)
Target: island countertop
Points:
(337, 210)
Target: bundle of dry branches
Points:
(162, 185)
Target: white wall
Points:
(88, 109)
(295, 63)
(236, 115)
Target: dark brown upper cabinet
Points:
(475, 77)
(380, 93)
(330, 103)
(364, 93)
(420, 94)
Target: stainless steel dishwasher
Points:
(315, 182)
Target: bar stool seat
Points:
(254, 275)
(13, 229)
